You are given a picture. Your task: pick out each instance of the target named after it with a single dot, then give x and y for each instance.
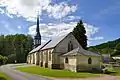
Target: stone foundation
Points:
(83, 68)
(55, 66)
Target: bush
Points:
(3, 60)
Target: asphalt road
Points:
(17, 75)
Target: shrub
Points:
(3, 60)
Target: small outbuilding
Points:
(81, 60)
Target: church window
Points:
(89, 61)
(66, 60)
(70, 46)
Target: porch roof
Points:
(81, 51)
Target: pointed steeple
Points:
(37, 29)
(37, 37)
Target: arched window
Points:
(66, 60)
(89, 61)
(70, 46)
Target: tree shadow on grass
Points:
(111, 73)
(2, 78)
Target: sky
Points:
(58, 17)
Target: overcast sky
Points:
(58, 17)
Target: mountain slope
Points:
(110, 47)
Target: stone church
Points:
(63, 52)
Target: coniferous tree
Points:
(80, 34)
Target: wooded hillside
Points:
(111, 47)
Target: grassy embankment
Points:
(4, 77)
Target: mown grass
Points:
(114, 71)
(56, 73)
(4, 76)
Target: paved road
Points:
(17, 75)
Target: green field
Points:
(4, 77)
(115, 72)
(56, 73)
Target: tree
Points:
(80, 34)
(117, 50)
(118, 46)
(15, 47)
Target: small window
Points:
(70, 46)
(89, 61)
(66, 60)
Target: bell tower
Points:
(37, 37)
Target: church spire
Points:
(37, 37)
(37, 29)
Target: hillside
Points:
(111, 47)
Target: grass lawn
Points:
(115, 72)
(56, 73)
(4, 77)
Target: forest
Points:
(15, 47)
(110, 47)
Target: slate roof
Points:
(54, 41)
(50, 44)
(81, 51)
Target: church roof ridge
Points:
(49, 44)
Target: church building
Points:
(62, 52)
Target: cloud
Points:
(1, 11)
(7, 27)
(60, 10)
(24, 8)
(97, 38)
(70, 18)
(19, 27)
(51, 30)
(28, 8)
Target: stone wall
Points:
(82, 63)
(45, 58)
(61, 48)
(71, 65)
